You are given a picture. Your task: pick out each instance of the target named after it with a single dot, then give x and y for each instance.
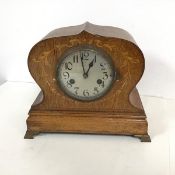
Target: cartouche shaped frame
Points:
(128, 61)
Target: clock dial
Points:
(85, 74)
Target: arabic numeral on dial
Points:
(96, 91)
(68, 66)
(95, 59)
(76, 90)
(84, 55)
(105, 75)
(65, 75)
(86, 93)
(102, 65)
(68, 84)
(75, 58)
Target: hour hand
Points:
(85, 75)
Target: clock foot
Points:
(30, 134)
(144, 138)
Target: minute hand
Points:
(82, 64)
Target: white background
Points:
(78, 154)
(22, 24)
(151, 22)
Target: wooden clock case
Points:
(119, 112)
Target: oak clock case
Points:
(88, 76)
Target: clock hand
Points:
(90, 65)
(82, 66)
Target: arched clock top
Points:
(106, 31)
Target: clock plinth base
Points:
(89, 123)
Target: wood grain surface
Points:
(119, 112)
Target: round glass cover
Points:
(85, 73)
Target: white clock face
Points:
(85, 74)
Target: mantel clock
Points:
(88, 76)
